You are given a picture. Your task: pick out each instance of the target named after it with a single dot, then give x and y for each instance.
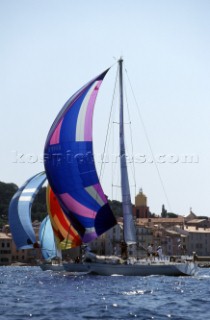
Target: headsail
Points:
(47, 242)
(70, 167)
(65, 235)
(20, 212)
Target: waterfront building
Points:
(5, 249)
(8, 252)
(198, 240)
(178, 235)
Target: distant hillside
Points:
(7, 190)
(39, 208)
(116, 207)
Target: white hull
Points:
(146, 269)
(143, 269)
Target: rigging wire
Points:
(108, 132)
(131, 139)
(115, 167)
(149, 144)
(115, 148)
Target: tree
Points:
(7, 190)
(116, 207)
(163, 212)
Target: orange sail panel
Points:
(65, 235)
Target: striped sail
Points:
(20, 212)
(70, 166)
(65, 235)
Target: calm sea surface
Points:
(30, 293)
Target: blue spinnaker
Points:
(20, 212)
(70, 167)
(47, 242)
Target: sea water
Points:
(30, 293)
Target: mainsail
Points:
(70, 167)
(129, 228)
(20, 212)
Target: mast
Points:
(129, 228)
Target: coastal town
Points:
(105, 162)
(177, 235)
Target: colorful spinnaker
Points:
(65, 235)
(70, 167)
(20, 212)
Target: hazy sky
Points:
(49, 49)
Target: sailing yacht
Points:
(77, 205)
(77, 187)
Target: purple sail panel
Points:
(70, 166)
